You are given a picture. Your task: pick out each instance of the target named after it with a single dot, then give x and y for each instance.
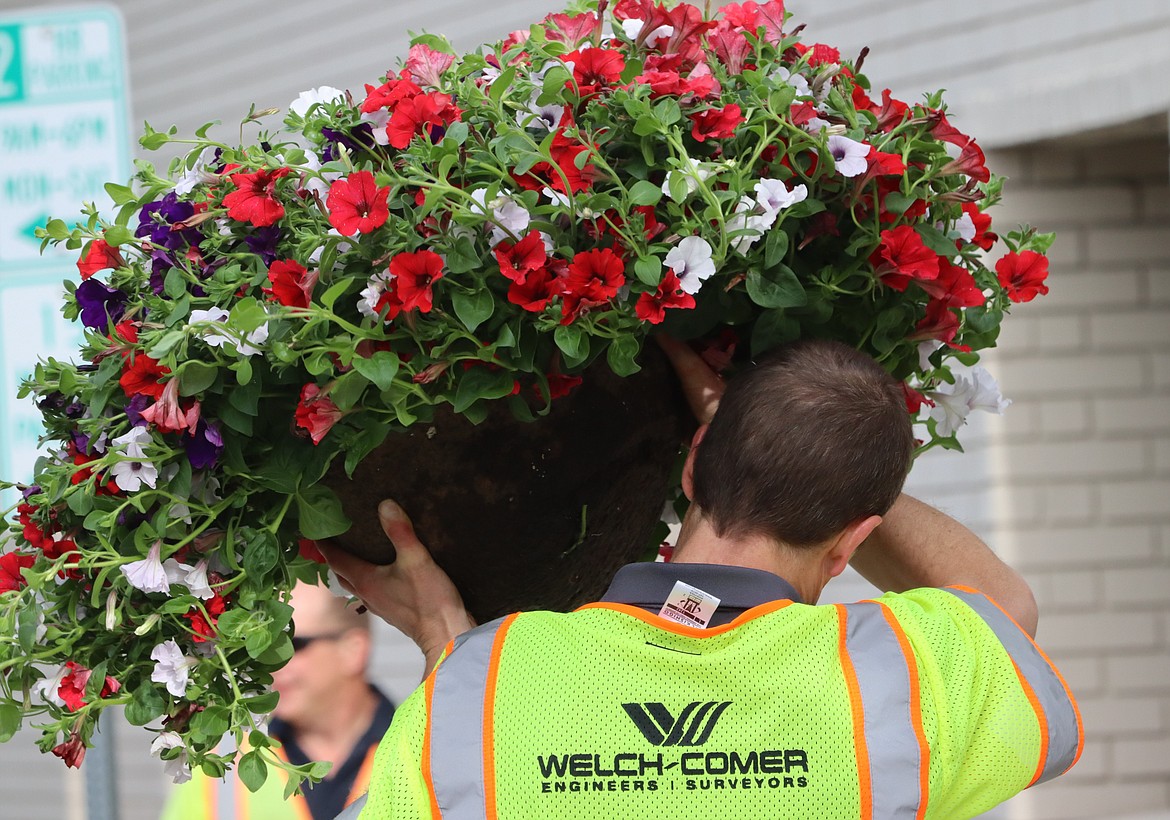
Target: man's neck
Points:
(335, 731)
(698, 543)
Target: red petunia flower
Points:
(292, 285)
(892, 112)
(539, 288)
(594, 278)
(715, 123)
(204, 627)
(730, 45)
(564, 174)
(651, 307)
(357, 205)
(902, 257)
(560, 385)
(309, 550)
(72, 751)
(1022, 275)
(914, 399)
(389, 93)
(11, 563)
(983, 238)
(940, 322)
(595, 69)
(142, 376)
(73, 685)
(423, 114)
(99, 256)
(955, 286)
(170, 415)
(426, 66)
(970, 161)
(254, 200)
(572, 29)
(316, 413)
(519, 259)
(751, 16)
(414, 276)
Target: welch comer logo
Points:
(692, 727)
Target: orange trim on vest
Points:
(210, 797)
(915, 710)
(1067, 691)
(1041, 719)
(863, 776)
(429, 693)
(361, 781)
(668, 625)
(489, 718)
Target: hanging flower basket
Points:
(441, 282)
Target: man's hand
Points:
(701, 385)
(413, 594)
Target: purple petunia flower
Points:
(263, 243)
(203, 448)
(360, 136)
(100, 305)
(134, 409)
(156, 221)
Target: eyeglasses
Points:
(299, 642)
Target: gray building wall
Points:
(1072, 486)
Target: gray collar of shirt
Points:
(738, 589)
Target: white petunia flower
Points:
(557, 197)
(746, 225)
(375, 288)
(177, 768)
(691, 262)
(171, 667)
(132, 442)
(965, 225)
(131, 474)
(632, 27)
(535, 115)
(318, 185)
(307, 99)
(47, 688)
(773, 195)
(196, 581)
(925, 349)
(217, 318)
(148, 574)
(197, 174)
(848, 155)
(378, 120)
(975, 389)
(507, 216)
(692, 171)
(797, 81)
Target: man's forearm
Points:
(919, 546)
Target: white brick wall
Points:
(1089, 369)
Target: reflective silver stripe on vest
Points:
(456, 725)
(1064, 729)
(895, 758)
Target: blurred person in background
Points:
(328, 710)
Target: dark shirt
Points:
(327, 798)
(737, 588)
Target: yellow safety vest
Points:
(926, 704)
(206, 798)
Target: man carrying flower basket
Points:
(713, 685)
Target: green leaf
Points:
(775, 247)
(257, 641)
(195, 377)
(26, 632)
(279, 653)
(262, 704)
(320, 513)
(261, 554)
(174, 285)
(9, 721)
(247, 315)
(936, 240)
(668, 111)
(253, 770)
(245, 397)
(456, 133)
(462, 257)
(570, 339)
(502, 83)
(120, 194)
(474, 308)
(334, 292)
(117, 235)
(773, 328)
(481, 383)
(347, 391)
(622, 355)
(381, 368)
(145, 705)
(648, 269)
(775, 287)
(165, 344)
(211, 723)
(644, 192)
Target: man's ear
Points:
(846, 543)
(688, 473)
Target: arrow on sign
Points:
(29, 231)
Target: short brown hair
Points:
(812, 438)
